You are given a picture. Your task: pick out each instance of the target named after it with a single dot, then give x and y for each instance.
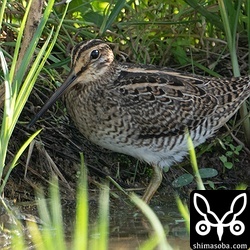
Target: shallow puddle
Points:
(128, 227)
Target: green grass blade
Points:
(248, 31)
(16, 158)
(30, 50)
(15, 99)
(2, 9)
(244, 110)
(114, 13)
(183, 208)
(44, 239)
(230, 33)
(109, 18)
(18, 241)
(56, 216)
(81, 224)
(228, 22)
(37, 67)
(160, 237)
(36, 236)
(30, 80)
(213, 18)
(7, 115)
(18, 44)
(11, 93)
(103, 218)
(194, 164)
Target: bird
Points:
(144, 111)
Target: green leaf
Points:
(238, 148)
(208, 172)
(228, 165)
(223, 158)
(183, 180)
(229, 153)
(211, 184)
(95, 18)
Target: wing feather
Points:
(153, 101)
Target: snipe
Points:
(143, 110)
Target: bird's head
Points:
(90, 61)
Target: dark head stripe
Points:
(83, 46)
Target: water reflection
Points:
(128, 228)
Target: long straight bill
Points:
(59, 92)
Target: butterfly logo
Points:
(203, 227)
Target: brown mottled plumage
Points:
(142, 110)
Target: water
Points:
(128, 227)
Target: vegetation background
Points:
(198, 36)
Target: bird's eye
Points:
(94, 54)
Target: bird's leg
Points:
(155, 182)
